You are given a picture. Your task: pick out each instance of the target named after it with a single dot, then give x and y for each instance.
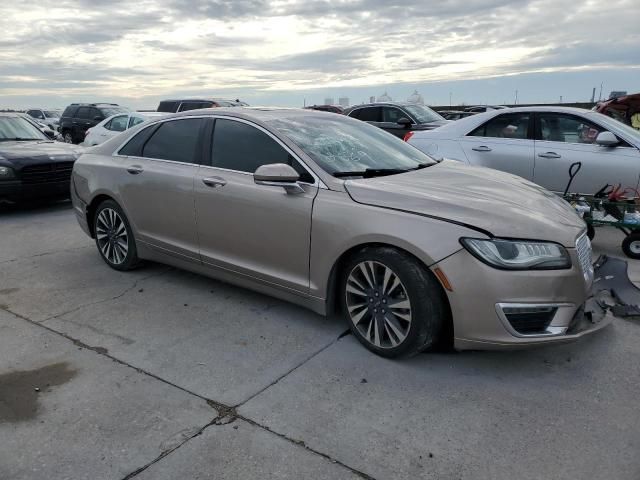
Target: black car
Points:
(397, 118)
(77, 118)
(31, 165)
(326, 108)
(455, 114)
(173, 106)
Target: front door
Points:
(255, 230)
(157, 178)
(504, 142)
(563, 139)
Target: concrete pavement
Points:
(160, 373)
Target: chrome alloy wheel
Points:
(67, 138)
(112, 237)
(378, 304)
(635, 247)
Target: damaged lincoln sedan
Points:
(342, 218)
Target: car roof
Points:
(255, 113)
(390, 104)
(467, 124)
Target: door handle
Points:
(135, 169)
(482, 148)
(214, 182)
(549, 155)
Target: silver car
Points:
(339, 216)
(540, 144)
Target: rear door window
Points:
(83, 113)
(168, 106)
(512, 125)
(175, 140)
(370, 114)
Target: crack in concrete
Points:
(333, 342)
(110, 299)
(45, 254)
(225, 414)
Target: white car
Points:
(540, 144)
(113, 125)
(49, 117)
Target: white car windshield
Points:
(339, 144)
(51, 114)
(15, 128)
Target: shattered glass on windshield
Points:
(341, 144)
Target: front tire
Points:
(393, 304)
(114, 237)
(67, 137)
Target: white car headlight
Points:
(518, 254)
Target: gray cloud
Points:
(352, 39)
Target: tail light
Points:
(407, 136)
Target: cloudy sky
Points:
(289, 51)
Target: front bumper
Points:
(481, 294)
(15, 191)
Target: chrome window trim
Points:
(318, 182)
(552, 330)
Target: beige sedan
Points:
(341, 217)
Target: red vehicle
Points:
(623, 109)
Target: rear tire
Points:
(393, 304)
(114, 237)
(631, 246)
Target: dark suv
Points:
(77, 118)
(173, 106)
(397, 118)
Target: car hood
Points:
(19, 154)
(501, 204)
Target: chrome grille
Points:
(583, 249)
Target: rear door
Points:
(81, 121)
(254, 230)
(505, 142)
(563, 139)
(157, 184)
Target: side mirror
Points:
(278, 175)
(607, 139)
(404, 121)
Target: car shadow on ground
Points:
(34, 207)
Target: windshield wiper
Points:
(379, 172)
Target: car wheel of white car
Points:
(114, 237)
(393, 304)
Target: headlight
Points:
(6, 173)
(518, 254)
